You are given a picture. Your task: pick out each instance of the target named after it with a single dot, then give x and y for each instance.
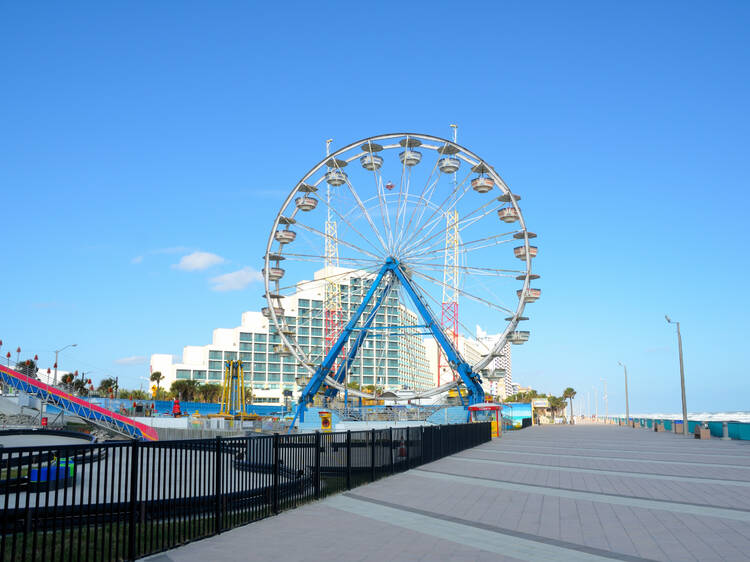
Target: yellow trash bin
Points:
(325, 422)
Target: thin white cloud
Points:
(132, 360)
(236, 280)
(137, 259)
(198, 261)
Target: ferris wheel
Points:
(371, 252)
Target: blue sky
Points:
(136, 134)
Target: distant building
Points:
(503, 387)
(472, 350)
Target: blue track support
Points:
(471, 379)
(77, 406)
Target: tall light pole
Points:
(682, 378)
(596, 403)
(627, 406)
(606, 401)
(57, 351)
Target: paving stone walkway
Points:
(586, 492)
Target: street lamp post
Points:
(606, 401)
(57, 352)
(682, 378)
(627, 406)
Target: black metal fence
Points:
(124, 500)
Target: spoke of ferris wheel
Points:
(434, 216)
(338, 240)
(464, 292)
(370, 269)
(465, 246)
(383, 207)
(439, 305)
(489, 272)
(363, 208)
(422, 195)
(400, 191)
(350, 225)
(342, 258)
(405, 228)
(464, 222)
(485, 288)
(461, 224)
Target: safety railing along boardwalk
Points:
(125, 500)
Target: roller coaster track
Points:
(77, 406)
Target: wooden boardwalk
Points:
(585, 492)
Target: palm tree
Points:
(569, 393)
(157, 377)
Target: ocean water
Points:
(742, 416)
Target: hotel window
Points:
(214, 355)
(199, 375)
(183, 374)
(214, 375)
(246, 356)
(215, 365)
(245, 336)
(245, 347)
(260, 337)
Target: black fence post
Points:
(390, 448)
(348, 459)
(406, 444)
(276, 467)
(217, 495)
(132, 554)
(372, 456)
(317, 465)
(421, 445)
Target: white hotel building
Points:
(392, 362)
